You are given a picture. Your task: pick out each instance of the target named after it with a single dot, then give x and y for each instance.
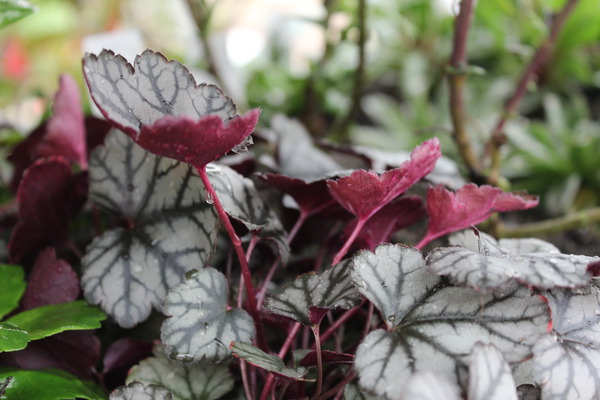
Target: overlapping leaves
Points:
(171, 229)
(433, 326)
(268, 362)
(201, 326)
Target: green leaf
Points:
(435, 326)
(332, 288)
(173, 230)
(200, 325)
(196, 381)
(268, 362)
(140, 391)
(48, 384)
(12, 287)
(14, 10)
(12, 337)
(55, 318)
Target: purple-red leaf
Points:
(470, 205)
(120, 357)
(48, 195)
(196, 142)
(328, 357)
(65, 131)
(51, 281)
(363, 193)
(385, 222)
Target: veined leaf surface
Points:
(268, 362)
(427, 385)
(490, 377)
(566, 363)
(131, 96)
(184, 381)
(139, 391)
(434, 326)
(332, 288)
(201, 326)
(491, 266)
(173, 230)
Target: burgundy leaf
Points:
(328, 357)
(96, 130)
(51, 281)
(196, 142)
(363, 193)
(76, 352)
(385, 222)
(23, 154)
(470, 205)
(311, 197)
(120, 357)
(65, 130)
(48, 195)
(594, 269)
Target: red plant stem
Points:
(340, 386)
(315, 329)
(340, 321)
(367, 327)
(237, 245)
(244, 371)
(539, 61)
(457, 79)
(340, 255)
(282, 352)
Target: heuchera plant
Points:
(309, 296)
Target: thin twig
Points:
(537, 64)
(560, 224)
(457, 76)
(340, 132)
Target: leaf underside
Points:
(200, 326)
(173, 230)
(268, 362)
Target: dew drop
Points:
(137, 268)
(182, 357)
(209, 198)
(518, 259)
(392, 318)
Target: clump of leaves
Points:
(307, 284)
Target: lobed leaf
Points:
(268, 362)
(173, 230)
(140, 391)
(566, 363)
(332, 288)
(49, 384)
(434, 326)
(184, 381)
(200, 325)
(12, 287)
(490, 376)
(134, 96)
(491, 266)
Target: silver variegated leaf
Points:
(393, 278)
(490, 376)
(200, 325)
(172, 229)
(139, 391)
(566, 362)
(491, 266)
(268, 362)
(435, 326)
(472, 239)
(332, 288)
(131, 96)
(426, 385)
(196, 381)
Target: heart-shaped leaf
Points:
(50, 384)
(363, 193)
(332, 288)
(172, 229)
(184, 381)
(140, 391)
(201, 326)
(268, 362)
(566, 362)
(12, 286)
(135, 96)
(491, 266)
(427, 385)
(470, 205)
(433, 326)
(490, 377)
